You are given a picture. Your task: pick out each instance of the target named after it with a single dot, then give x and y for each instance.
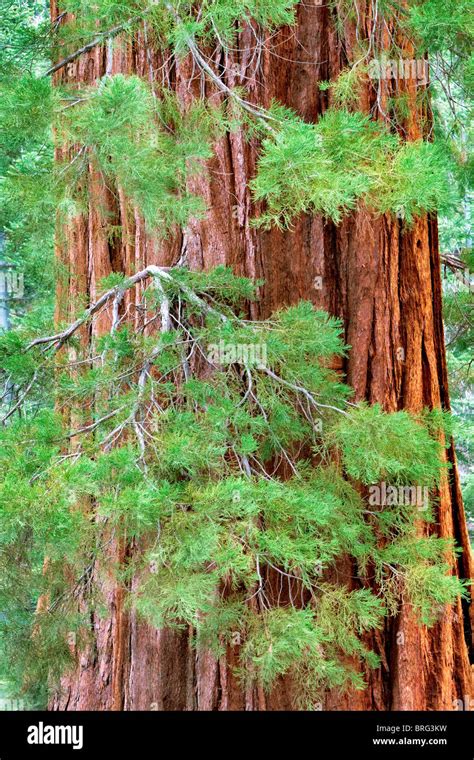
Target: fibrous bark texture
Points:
(382, 279)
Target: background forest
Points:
(255, 474)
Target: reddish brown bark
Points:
(380, 278)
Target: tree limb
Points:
(60, 338)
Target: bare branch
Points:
(21, 399)
(60, 338)
(304, 391)
(101, 37)
(93, 425)
(255, 111)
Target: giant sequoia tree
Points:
(248, 337)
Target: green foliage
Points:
(429, 576)
(377, 446)
(26, 113)
(173, 22)
(343, 159)
(121, 126)
(444, 25)
(417, 182)
(222, 479)
(150, 148)
(234, 483)
(457, 309)
(279, 639)
(23, 34)
(27, 207)
(446, 31)
(345, 89)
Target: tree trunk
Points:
(380, 278)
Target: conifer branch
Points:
(101, 37)
(21, 399)
(90, 428)
(256, 112)
(60, 338)
(116, 293)
(304, 391)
